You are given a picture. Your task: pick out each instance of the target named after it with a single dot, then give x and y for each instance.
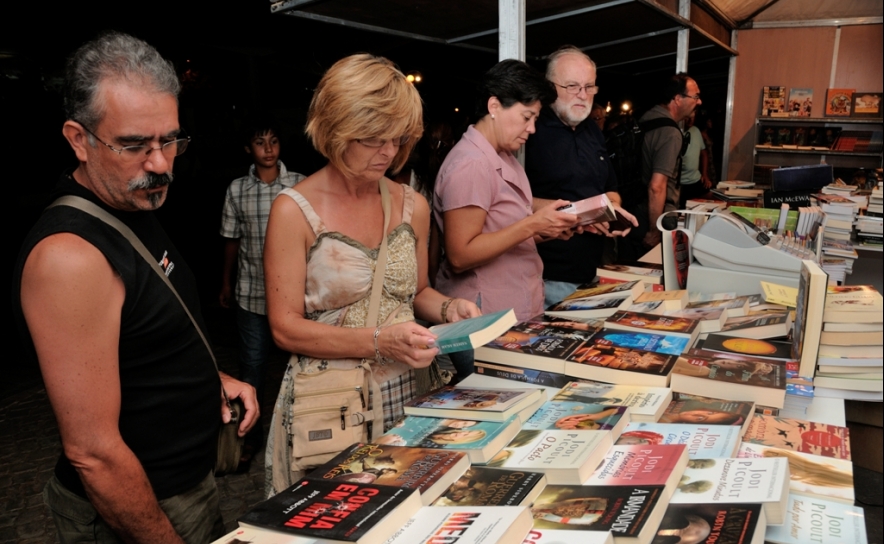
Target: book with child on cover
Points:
(430, 471)
(336, 512)
(645, 403)
(579, 416)
(480, 440)
(694, 409)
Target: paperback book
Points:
(555, 536)
(753, 347)
(809, 316)
(645, 341)
(810, 475)
(430, 471)
(645, 403)
(710, 319)
(629, 512)
(480, 440)
(606, 290)
(814, 519)
(591, 307)
(763, 382)
(336, 512)
(472, 333)
(702, 441)
(566, 457)
(773, 101)
(595, 209)
(578, 416)
(759, 325)
(694, 409)
(485, 486)
(798, 435)
(643, 464)
(712, 524)
(734, 306)
(604, 361)
(639, 322)
(465, 525)
(478, 404)
(538, 345)
(649, 273)
(670, 300)
(756, 481)
(522, 375)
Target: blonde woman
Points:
(322, 241)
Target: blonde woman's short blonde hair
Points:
(363, 96)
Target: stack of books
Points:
(850, 363)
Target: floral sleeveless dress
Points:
(338, 287)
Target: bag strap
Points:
(374, 303)
(96, 211)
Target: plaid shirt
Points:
(246, 210)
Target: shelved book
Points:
(814, 519)
(538, 345)
(763, 382)
(603, 360)
(773, 101)
(430, 471)
(579, 416)
(472, 333)
(798, 435)
(809, 474)
(631, 513)
(712, 524)
(480, 440)
(694, 409)
(737, 481)
(465, 525)
(555, 536)
(566, 457)
(649, 273)
(485, 486)
(702, 441)
(645, 403)
(336, 512)
(478, 404)
(641, 322)
(643, 464)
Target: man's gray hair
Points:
(112, 56)
(561, 52)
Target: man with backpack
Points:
(661, 152)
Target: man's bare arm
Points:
(656, 203)
(72, 300)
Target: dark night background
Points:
(233, 59)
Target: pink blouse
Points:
(474, 174)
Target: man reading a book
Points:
(566, 159)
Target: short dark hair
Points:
(259, 125)
(512, 81)
(673, 86)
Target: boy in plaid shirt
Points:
(243, 225)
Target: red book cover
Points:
(640, 464)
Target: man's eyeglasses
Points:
(140, 153)
(695, 97)
(574, 88)
(381, 142)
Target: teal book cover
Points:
(446, 433)
(474, 332)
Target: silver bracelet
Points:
(377, 350)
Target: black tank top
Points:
(170, 390)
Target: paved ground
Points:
(30, 446)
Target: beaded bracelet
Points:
(445, 310)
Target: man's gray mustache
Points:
(151, 181)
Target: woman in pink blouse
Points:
(483, 200)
